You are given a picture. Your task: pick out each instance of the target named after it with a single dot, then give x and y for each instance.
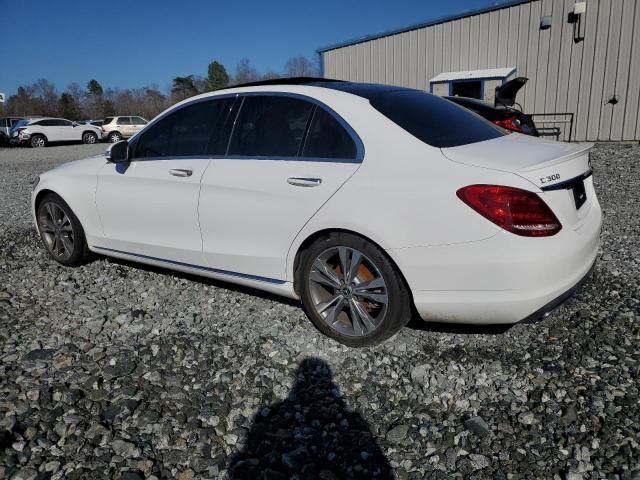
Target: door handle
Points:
(180, 172)
(304, 181)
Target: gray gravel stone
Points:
(114, 370)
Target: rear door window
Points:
(434, 120)
(124, 120)
(327, 138)
(270, 126)
(197, 129)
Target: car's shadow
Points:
(416, 323)
(201, 279)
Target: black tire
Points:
(37, 141)
(396, 312)
(89, 138)
(79, 253)
(114, 137)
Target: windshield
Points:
(434, 120)
(20, 123)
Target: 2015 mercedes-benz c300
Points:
(366, 202)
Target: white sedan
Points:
(367, 202)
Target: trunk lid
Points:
(506, 93)
(561, 170)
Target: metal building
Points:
(582, 59)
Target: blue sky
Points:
(143, 42)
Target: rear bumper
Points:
(504, 279)
(543, 312)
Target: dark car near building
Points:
(6, 125)
(503, 112)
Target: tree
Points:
(300, 67)
(76, 92)
(46, 97)
(270, 75)
(95, 106)
(94, 89)
(183, 87)
(154, 102)
(217, 76)
(245, 72)
(68, 107)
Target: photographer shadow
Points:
(310, 435)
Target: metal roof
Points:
(471, 74)
(448, 18)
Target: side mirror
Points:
(75, 124)
(118, 152)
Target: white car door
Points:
(255, 200)
(149, 206)
(137, 123)
(65, 131)
(125, 127)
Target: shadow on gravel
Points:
(417, 323)
(311, 434)
(200, 279)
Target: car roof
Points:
(366, 90)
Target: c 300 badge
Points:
(550, 178)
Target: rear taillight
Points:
(21, 129)
(517, 211)
(511, 123)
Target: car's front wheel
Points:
(61, 231)
(89, 137)
(352, 291)
(37, 141)
(114, 137)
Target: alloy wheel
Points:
(348, 291)
(57, 231)
(37, 142)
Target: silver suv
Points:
(115, 129)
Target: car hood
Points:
(89, 165)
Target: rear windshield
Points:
(434, 120)
(107, 120)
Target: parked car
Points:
(6, 124)
(115, 129)
(41, 131)
(503, 112)
(97, 123)
(358, 199)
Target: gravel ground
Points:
(113, 370)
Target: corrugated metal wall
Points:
(564, 76)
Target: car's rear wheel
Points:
(114, 137)
(61, 231)
(352, 291)
(37, 141)
(89, 137)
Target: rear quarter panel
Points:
(404, 194)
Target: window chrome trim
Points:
(360, 150)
